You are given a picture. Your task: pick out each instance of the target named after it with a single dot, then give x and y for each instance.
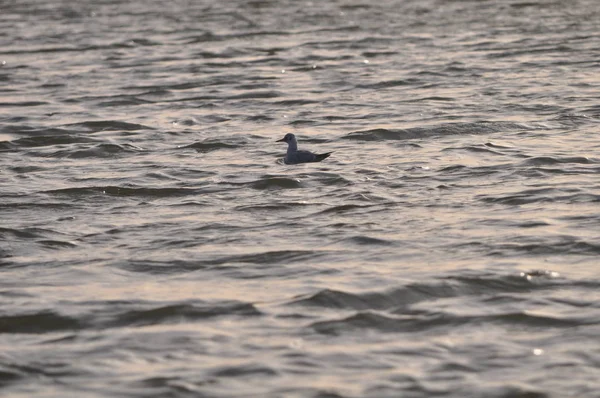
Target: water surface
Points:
(153, 243)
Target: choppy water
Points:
(153, 244)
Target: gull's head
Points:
(289, 137)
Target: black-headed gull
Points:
(295, 156)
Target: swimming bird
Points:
(295, 156)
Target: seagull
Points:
(295, 156)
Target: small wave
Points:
(244, 370)
(260, 118)
(474, 149)
(367, 320)
(56, 244)
(332, 179)
(565, 246)
(25, 233)
(345, 208)
(441, 130)
(134, 42)
(549, 160)
(210, 145)
(41, 322)
(48, 140)
(183, 312)
(425, 322)
(269, 257)
(21, 104)
(123, 191)
(389, 83)
(124, 100)
(257, 94)
(271, 182)
(97, 151)
(108, 125)
(32, 131)
(364, 240)
(271, 207)
(328, 298)
(39, 206)
(261, 259)
(448, 287)
(295, 102)
(8, 376)
(523, 197)
(547, 195)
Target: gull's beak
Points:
(281, 140)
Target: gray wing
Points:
(301, 157)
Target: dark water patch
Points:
(259, 118)
(448, 287)
(41, 322)
(572, 119)
(261, 259)
(271, 207)
(257, 95)
(364, 240)
(8, 376)
(33, 131)
(25, 169)
(541, 195)
(332, 179)
(97, 151)
(159, 267)
(225, 54)
(581, 198)
(549, 160)
(136, 42)
(37, 206)
(108, 125)
(270, 257)
(348, 208)
(483, 127)
(183, 313)
(273, 182)
(56, 244)
(548, 195)
(454, 168)
(212, 145)
(124, 100)
(244, 371)
(123, 191)
(438, 322)
(561, 246)
(295, 102)
(328, 298)
(389, 83)
(474, 149)
(6, 146)
(49, 140)
(497, 146)
(379, 53)
(21, 104)
(303, 122)
(473, 172)
(24, 233)
(380, 135)
(368, 320)
(433, 99)
(516, 224)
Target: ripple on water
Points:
(440, 130)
